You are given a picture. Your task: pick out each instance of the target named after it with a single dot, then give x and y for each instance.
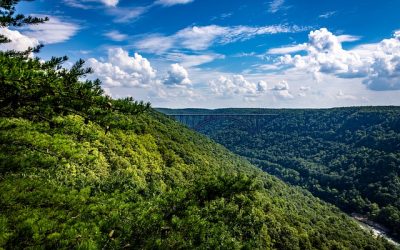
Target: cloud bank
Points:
(378, 64)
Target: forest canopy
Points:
(349, 157)
(79, 169)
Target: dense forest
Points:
(80, 170)
(72, 178)
(347, 156)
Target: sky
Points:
(226, 53)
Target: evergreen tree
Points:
(8, 18)
(37, 90)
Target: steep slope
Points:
(154, 185)
(347, 156)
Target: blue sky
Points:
(204, 53)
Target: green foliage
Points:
(8, 17)
(39, 91)
(146, 182)
(73, 186)
(348, 156)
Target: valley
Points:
(349, 157)
(87, 162)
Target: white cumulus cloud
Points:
(378, 64)
(282, 85)
(385, 70)
(177, 76)
(262, 86)
(281, 90)
(19, 42)
(236, 85)
(326, 55)
(120, 69)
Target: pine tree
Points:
(37, 90)
(9, 18)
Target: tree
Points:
(8, 18)
(37, 90)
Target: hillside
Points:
(157, 185)
(79, 169)
(347, 156)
